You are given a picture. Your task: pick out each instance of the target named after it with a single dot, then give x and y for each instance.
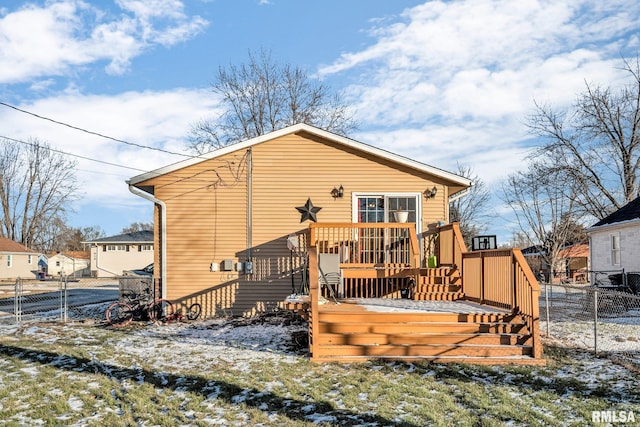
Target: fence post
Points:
(595, 321)
(546, 306)
(66, 302)
(17, 301)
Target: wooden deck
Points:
(409, 330)
(481, 308)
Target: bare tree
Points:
(262, 96)
(37, 186)
(138, 226)
(74, 238)
(544, 208)
(470, 210)
(595, 144)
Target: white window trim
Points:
(618, 249)
(417, 195)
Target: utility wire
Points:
(72, 155)
(96, 133)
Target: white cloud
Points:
(156, 119)
(454, 81)
(464, 74)
(55, 39)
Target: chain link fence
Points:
(64, 298)
(603, 317)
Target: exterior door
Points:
(375, 208)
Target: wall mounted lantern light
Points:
(337, 192)
(430, 194)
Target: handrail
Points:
(502, 278)
(314, 324)
(336, 237)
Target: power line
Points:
(72, 155)
(96, 133)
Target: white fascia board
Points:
(613, 226)
(313, 130)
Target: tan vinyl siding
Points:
(207, 215)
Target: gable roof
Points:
(629, 212)
(72, 254)
(579, 250)
(144, 236)
(8, 245)
(302, 128)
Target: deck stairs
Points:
(348, 332)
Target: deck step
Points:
(497, 360)
(423, 339)
(343, 313)
(421, 328)
(440, 275)
(440, 350)
(437, 287)
(438, 296)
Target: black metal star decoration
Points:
(308, 211)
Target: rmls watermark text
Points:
(613, 417)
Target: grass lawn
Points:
(240, 372)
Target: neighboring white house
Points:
(69, 263)
(615, 240)
(17, 261)
(110, 256)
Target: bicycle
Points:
(193, 312)
(139, 306)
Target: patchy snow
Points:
(240, 345)
(407, 305)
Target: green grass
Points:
(91, 375)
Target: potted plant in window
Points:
(401, 215)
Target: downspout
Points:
(163, 236)
(249, 209)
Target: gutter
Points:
(460, 194)
(612, 225)
(163, 235)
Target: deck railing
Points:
(376, 259)
(502, 278)
(450, 245)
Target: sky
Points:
(441, 82)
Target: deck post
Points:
(314, 329)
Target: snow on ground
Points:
(242, 344)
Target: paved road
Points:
(50, 300)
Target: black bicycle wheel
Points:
(119, 314)
(194, 311)
(161, 310)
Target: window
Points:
(615, 249)
(381, 207)
(142, 248)
(9, 261)
(30, 259)
(115, 248)
(57, 263)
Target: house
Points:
(572, 263)
(242, 228)
(17, 261)
(615, 241)
(69, 263)
(112, 256)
